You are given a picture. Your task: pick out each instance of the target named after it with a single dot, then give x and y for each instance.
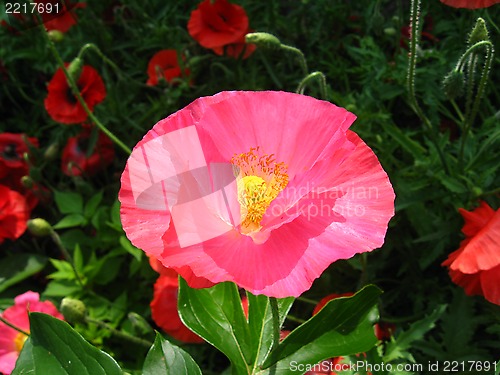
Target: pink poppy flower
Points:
(265, 189)
(470, 4)
(475, 266)
(12, 341)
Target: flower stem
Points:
(76, 91)
(320, 77)
(410, 82)
(300, 57)
(7, 323)
(57, 240)
(276, 321)
(471, 115)
(120, 334)
(101, 55)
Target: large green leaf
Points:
(68, 202)
(216, 314)
(342, 327)
(261, 324)
(55, 348)
(165, 358)
(16, 268)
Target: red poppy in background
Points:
(164, 308)
(328, 298)
(237, 48)
(76, 159)
(164, 64)
(62, 20)
(63, 106)
(217, 23)
(470, 4)
(14, 214)
(56, 15)
(13, 166)
(475, 266)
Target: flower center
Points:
(261, 182)
(19, 341)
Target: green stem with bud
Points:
(471, 114)
(74, 88)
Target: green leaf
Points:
(216, 314)
(70, 221)
(55, 348)
(166, 359)
(92, 205)
(69, 203)
(261, 324)
(131, 249)
(414, 148)
(397, 348)
(342, 327)
(16, 268)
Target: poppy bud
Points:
(74, 310)
(39, 227)
(263, 39)
(75, 68)
(453, 84)
(51, 152)
(479, 33)
(27, 182)
(56, 36)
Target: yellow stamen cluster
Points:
(261, 179)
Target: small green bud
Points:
(477, 191)
(75, 68)
(479, 33)
(27, 182)
(56, 36)
(73, 310)
(453, 84)
(39, 227)
(390, 31)
(263, 40)
(51, 152)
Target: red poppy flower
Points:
(63, 106)
(237, 48)
(13, 166)
(164, 64)
(14, 214)
(475, 266)
(470, 4)
(62, 20)
(76, 160)
(164, 310)
(217, 23)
